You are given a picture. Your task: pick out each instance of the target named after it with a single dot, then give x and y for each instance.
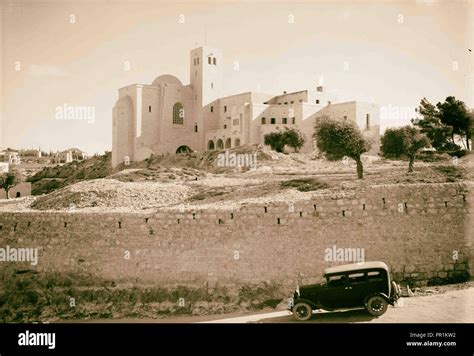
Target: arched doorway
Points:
(237, 142)
(220, 144)
(210, 145)
(228, 143)
(183, 149)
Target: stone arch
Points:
(220, 144)
(183, 149)
(210, 145)
(228, 143)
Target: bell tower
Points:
(206, 74)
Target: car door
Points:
(336, 294)
(357, 289)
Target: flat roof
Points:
(355, 267)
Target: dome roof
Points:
(168, 79)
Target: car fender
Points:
(302, 300)
(383, 295)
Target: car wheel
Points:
(376, 305)
(302, 311)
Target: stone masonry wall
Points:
(415, 229)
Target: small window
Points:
(317, 101)
(194, 61)
(357, 277)
(235, 122)
(225, 108)
(149, 108)
(279, 103)
(345, 117)
(263, 121)
(284, 120)
(225, 126)
(272, 121)
(374, 276)
(214, 61)
(329, 102)
(18, 194)
(212, 85)
(286, 103)
(209, 59)
(301, 100)
(293, 120)
(367, 121)
(195, 73)
(292, 102)
(195, 128)
(212, 108)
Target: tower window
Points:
(317, 101)
(195, 128)
(263, 121)
(293, 120)
(345, 117)
(286, 103)
(149, 108)
(209, 60)
(225, 126)
(272, 121)
(367, 121)
(194, 61)
(284, 120)
(214, 61)
(225, 108)
(178, 114)
(212, 108)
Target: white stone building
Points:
(168, 117)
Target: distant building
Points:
(10, 156)
(169, 117)
(22, 189)
(69, 155)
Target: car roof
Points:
(356, 267)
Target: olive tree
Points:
(338, 139)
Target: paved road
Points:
(451, 307)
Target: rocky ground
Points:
(194, 181)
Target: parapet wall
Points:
(420, 231)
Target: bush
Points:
(278, 140)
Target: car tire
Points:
(302, 311)
(376, 305)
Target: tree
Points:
(9, 180)
(338, 139)
(277, 140)
(431, 125)
(404, 141)
(413, 141)
(392, 143)
(454, 113)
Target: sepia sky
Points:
(393, 53)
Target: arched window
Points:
(210, 145)
(227, 143)
(178, 114)
(237, 142)
(220, 144)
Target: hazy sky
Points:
(394, 53)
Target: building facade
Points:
(169, 117)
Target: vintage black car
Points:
(358, 285)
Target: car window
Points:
(357, 277)
(334, 281)
(374, 276)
